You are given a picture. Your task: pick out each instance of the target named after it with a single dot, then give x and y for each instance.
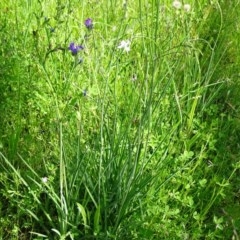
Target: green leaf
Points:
(97, 220)
(83, 213)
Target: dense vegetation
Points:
(119, 119)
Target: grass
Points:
(118, 143)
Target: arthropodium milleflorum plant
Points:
(105, 179)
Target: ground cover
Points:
(119, 120)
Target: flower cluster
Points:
(178, 5)
(74, 48)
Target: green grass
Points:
(110, 144)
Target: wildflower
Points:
(44, 179)
(75, 48)
(88, 23)
(125, 45)
(187, 7)
(177, 4)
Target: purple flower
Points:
(88, 23)
(75, 48)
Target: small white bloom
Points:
(44, 179)
(177, 4)
(187, 7)
(125, 45)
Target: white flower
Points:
(44, 179)
(177, 4)
(125, 45)
(187, 7)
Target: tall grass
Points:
(116, 144)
